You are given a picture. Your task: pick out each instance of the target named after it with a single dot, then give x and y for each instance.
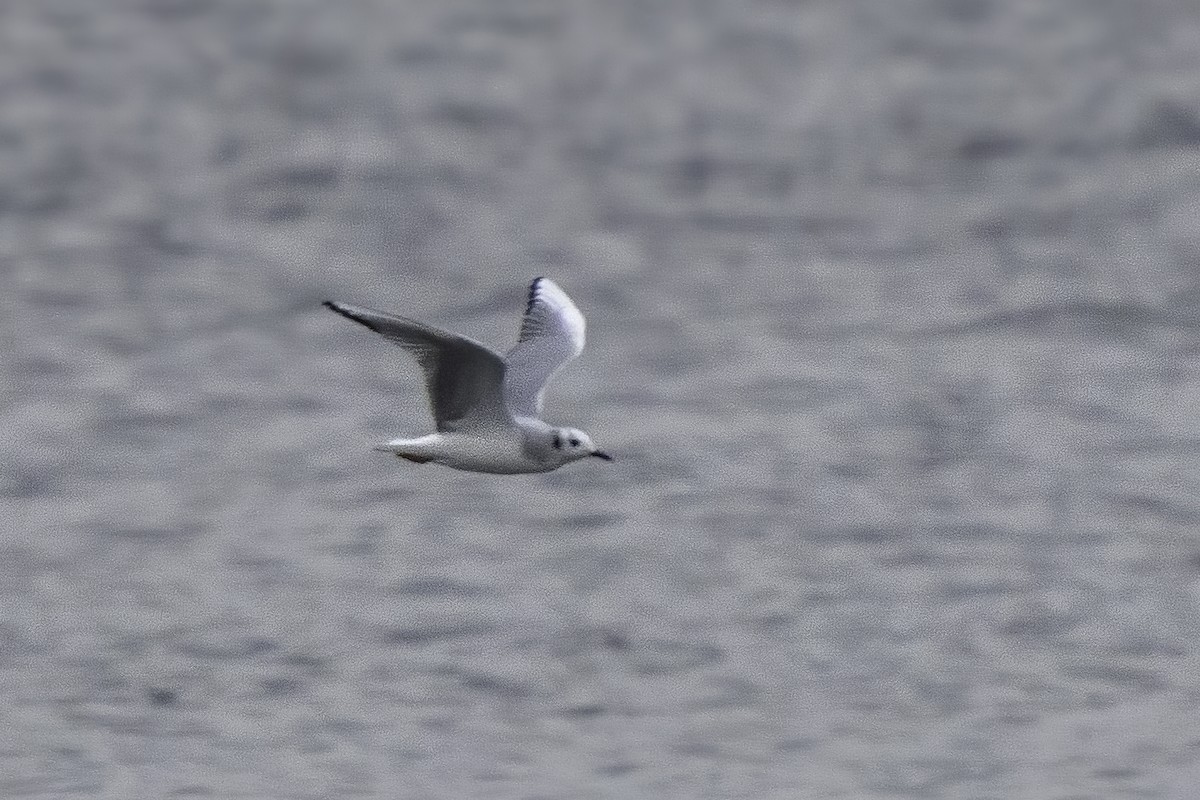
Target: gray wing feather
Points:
(463, 378)
(552, 334)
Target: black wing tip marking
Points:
(533, 288)
(338, 309)
(530, 302)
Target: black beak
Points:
(601, 454)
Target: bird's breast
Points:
(501, 453)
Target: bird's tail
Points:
(404, 448)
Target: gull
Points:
(487, 407)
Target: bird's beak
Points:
(601, 454)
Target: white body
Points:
(502, 455)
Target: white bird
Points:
(488, 407)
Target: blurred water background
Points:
(894, 314)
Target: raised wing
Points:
(463, 378)
(552, 333)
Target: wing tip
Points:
(338, 308)
(533, 290)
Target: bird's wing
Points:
(552, 333)
(464, 378)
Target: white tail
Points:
(416, 450)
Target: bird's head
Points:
(571, 444)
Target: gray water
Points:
(894, 332)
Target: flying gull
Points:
(488, 406)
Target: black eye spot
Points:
(574, 443)
(557, 442)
